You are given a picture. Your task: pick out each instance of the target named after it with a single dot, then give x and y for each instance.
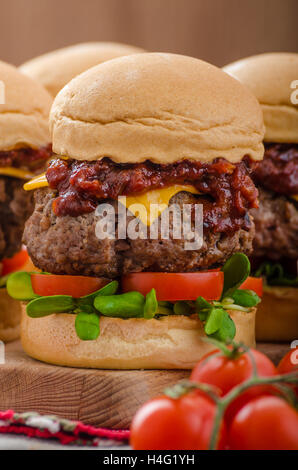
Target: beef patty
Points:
(276, 223)
(15, 207)
(68, 245)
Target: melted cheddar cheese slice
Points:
(16, 173)
(37, 182)
(140, 205)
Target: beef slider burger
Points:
(151, 127)
(271, 77)
(24, 150)
(56, 68)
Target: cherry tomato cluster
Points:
(218, 411)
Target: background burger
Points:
(24, 150)
(152, 127)
(271, 77)
(55, 69)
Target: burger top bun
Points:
(24, 110)
(162, 107)
(57, 68)
(271, 78)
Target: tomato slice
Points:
(255, 284)
(17, 261)
(169, 286)
(176, 286)
(76, 286)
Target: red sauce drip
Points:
(26, 157)
(227, 188)
(278, 172)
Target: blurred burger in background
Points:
(24, 151)
(272, 78)
(155, 128)
(55, 69)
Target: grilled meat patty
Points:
(276, 223)
(68, 245)
(16, 205)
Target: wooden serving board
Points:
(104, 398)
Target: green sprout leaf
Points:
(87, 326)
(227, 329)
(236, 270)
(214, 320)
(44, 306)
(202, 304)
(19, 286)
(203, 308)
(245, 298)
(108, 289)
(151, 305)
(127, 305)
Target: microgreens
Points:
(217, 322)
(275, 275)
(105, 301)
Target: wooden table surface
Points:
(103, 398)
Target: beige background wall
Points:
(215, 30)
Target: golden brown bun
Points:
(162, 107)
(269, 77)
(55, 69)
(173, 342)
(10, 316)
(277, 317)
(24, 116)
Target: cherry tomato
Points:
(176, 286)
(265, 423)
(225, 373)
(255, 284)
(10, 265)
(184, 423)
(76, 286)
(289, 363)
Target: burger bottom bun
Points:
(172, 342)
(277, 317)
(10, 317)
